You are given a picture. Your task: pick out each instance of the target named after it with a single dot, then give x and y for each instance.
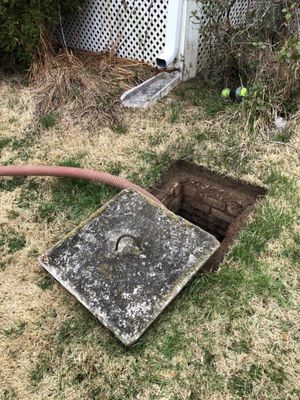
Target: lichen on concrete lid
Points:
(127, 285)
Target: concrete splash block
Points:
(128, 261)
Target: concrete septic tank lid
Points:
(128, 261)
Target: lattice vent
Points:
(135, 28)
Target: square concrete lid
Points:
(128, 261)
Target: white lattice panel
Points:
(238, 13)
(243, 9)
(205, 38)
(135, 28)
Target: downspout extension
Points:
(172, 34)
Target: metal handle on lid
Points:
(137, 242)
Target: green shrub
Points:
(261, 52)
(24, 22)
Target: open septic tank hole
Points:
(218, 204)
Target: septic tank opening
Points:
(218, 204)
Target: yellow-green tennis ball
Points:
(225, 93)
(244, 92)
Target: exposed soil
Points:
(216, 203)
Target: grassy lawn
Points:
(230, 335)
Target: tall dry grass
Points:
(84, 85)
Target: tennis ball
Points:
(244, 92)
(225, 93)
(241, 92)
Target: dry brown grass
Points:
(199, 349)
(84, 85)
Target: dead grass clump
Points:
(83, 85)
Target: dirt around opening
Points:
(218, 204)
